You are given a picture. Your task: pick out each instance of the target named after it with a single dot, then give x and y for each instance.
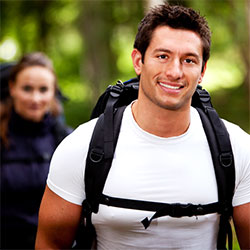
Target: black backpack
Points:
(109, 109)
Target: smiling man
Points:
(162, 154)
(169, 73)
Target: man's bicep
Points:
(58, 222)
(241, 217)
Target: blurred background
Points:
(90, 44)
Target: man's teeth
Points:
(169, 86)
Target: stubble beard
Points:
(164, 105)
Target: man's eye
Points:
(27, 88)
(162, 57)
(188, 60)
(43, 89)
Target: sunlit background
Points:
(90, 44)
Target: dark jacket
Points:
(24, 170)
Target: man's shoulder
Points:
(235, 130)
(84, 130)
(240, 139)
(78, 140)
(86, 127)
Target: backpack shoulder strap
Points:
(220, 146)
(96, 171)
(98, 161)
(223, 160)
(109, 109)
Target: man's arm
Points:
(241, 218)
(58, 222)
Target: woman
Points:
(31, 129)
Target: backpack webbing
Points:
(102, 147)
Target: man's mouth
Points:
(175, 87)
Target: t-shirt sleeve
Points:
(66, 174)
(241, 149)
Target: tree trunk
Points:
(99, 61)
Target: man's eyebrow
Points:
(169, 51)
(197, 56)
(163, 50)
(193, 54)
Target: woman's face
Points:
(33, 92)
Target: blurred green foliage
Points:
(90, 44)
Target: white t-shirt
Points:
(151, 168)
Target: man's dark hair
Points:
(177, 17)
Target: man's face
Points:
(171, 69)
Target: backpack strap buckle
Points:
(116, 90)
(96, 155)
(226, 159)
(86, 208)
(176, 209)
(226, 209)
(204, 97)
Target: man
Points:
(162, 153)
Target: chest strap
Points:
(175, 210)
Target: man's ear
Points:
(202, 73)
(137, 61)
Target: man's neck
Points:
(161, 122)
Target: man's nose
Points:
(174, 69)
